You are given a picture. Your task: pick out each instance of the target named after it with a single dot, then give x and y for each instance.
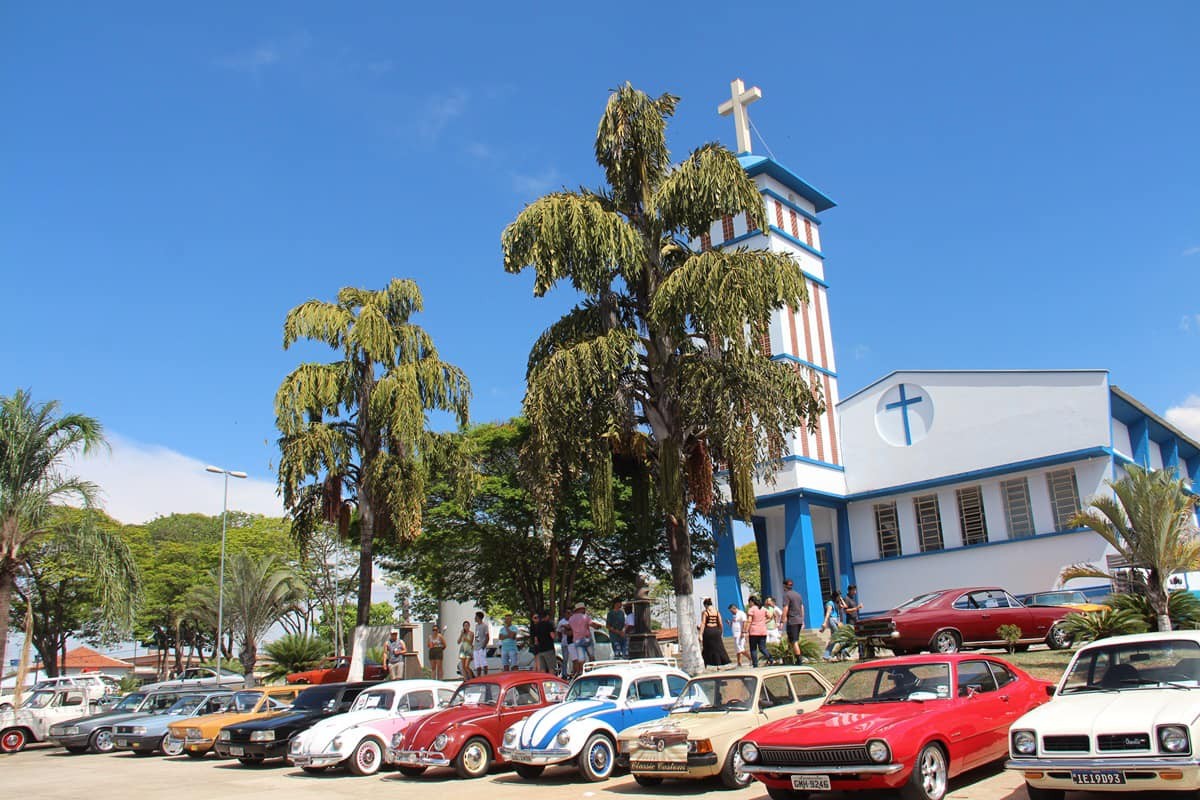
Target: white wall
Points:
(1120, 438)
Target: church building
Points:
(925, 480)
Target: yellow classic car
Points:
(1065, 597)
(199, 733)
(698, 738)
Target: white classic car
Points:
(199, 678)
(43, 709)
(1124, 718)
(359, 737)
(608, 697)
(99, 685)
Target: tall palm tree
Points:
(258, 592)
(657, 372)
(1151, 521)
(360, 424)
(35, 443)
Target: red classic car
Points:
(949, 620)
(336, 670)
(908, 723)
(467, 734)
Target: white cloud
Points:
(1188, 322)
(539, 183)
(1192, 251)
(440, 111)
(1186, 416)
(143, 481)
(266, 54)
(861, 351)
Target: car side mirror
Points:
(1050, 687)
(973, 689)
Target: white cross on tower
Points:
(736, 105)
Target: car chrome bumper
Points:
(143, 744)
(540, 758)
(828, 769)
(419, 758)
(316, 760)
(71, 740)
(1143, 762)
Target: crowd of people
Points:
(764, 624)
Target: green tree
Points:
(36, 441)
(658, 368)
(749, 567)
(294, 653)
(381, 613)
(1150, 519)
(360, 424)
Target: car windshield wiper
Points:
(1088, 687)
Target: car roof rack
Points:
(590, 666)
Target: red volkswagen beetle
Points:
(908, 723)
(467, 734)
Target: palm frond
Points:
(708, 185)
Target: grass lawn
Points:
(1040, 663)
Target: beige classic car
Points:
(697, 738)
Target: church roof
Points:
(756, 165)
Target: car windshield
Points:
(376, 698)
(38, 700)
(1126, 665)
(716, 694)
(918, 601)
(1057, 598)
(160, 702)
(130, 702)
(244, 702)
(476, 694)
(186, 704)
(907, 682)
(314, 699)
(595, 687)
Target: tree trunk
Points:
(366, 552)
(1164, 622)
(249, 657)
(8, 573)
(679, 543)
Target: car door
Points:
(516, 704)
(647, 700)
(810, 690)
(984, 710)
(776, 698)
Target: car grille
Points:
(1073, 743)
(792, 757)
(1123, 741)
(874, 627)
(125, 729)
(238, 736)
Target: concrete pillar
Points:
(800, 558)
(729, 584)
(845, 550)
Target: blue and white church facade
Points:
(925, 479)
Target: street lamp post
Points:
(221, 579)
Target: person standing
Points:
(712, 636)
(479, 643)
(564, 643)
(756, 630)
(774, 624)
(853, 609)
(737, 624)
(793, 617)
(834, 608)
(465, 639)
(615, 622)
(393, 651)
(508, 645)
(437, 650)
(581, 635)
(541, 633)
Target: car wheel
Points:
(314, 770)
(648, 780)
(929, 776)
(1044, 794)
(251, 761)
(529, 771)
(1058, 638)
(170, 746)
(366, 758)
(412, 772)
(474, 759)
(597, 757)
(13, 740)
(946, 641)
(785, 794)
(733, 774)
(101, 741)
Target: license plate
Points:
(237, 751)
(1107, 777)
(122, 743)
(657, 766)
(811, 783)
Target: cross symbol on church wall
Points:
(736, 105)
(903, 403)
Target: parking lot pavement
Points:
(46, 773)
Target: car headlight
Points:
(336, 743)
(441, 741)
(223, 736)
(749, 752)
(510, 737)
(878, 751)
(295, 745)
(398, 740)
(262, 736)
(699, 746)
(71, 730)
(193, 733)
(563, 737)
(1173, 739)
(138, 730)
(1024, 743)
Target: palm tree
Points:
(1151, 520)
(258, 591)
(360, 424)
(294, 653)
(657, 373)
(35, 443)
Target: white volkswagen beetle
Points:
(1124, 718)
(359, 737)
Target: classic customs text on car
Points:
(336, 670)
(94, 734)
(41, 710)
(908, 723)
(254, 741)
(608, 697)
(950, 620)
(359, 738)
(699, 737)
(467, 735)
(1124, 718)
(149, 733)
(198, 734)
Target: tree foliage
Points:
(1183, 608)
(749, 567)
(294, 653)
(655, 374)
(1094, 625)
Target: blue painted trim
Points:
(845, 550)
(755, 165)
(988, 472)
(808, 215)
(803, 245)
(764, 555)
(814, 462)
(903, 403)
(1112, 447)
(814, 497)
(1193, 469)
(800, 558)
(802, 362)
(962, 548)
(1170, 454)
(728, 580)
(745, 237)
(1139, 440)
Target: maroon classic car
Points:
(908, 723)
(467, 734)
(949, 620)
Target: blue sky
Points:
(1016, 186)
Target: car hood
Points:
(423, 732)
(844, 723)
(1125, 711)
(340, 722)
(154, 722)
(701, 725)
(218, 721)
(280, 720)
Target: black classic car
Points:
(254, 741)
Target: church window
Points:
(887, 530)
(824, 573)
(1017, 508)
(778, 214)
(705, 241)
(792, 217)
(727, 227)
(1064, 497)
(929, 522)
(971, 515)
(808, 232)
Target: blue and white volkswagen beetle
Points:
(608, 697)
